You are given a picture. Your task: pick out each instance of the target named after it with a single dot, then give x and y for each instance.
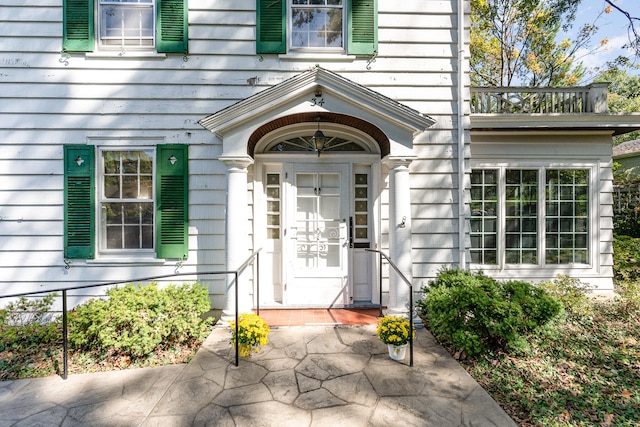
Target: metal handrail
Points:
(65, 346)
(408, 283)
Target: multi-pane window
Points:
(126, 23)
(529, 216)
(126, 200)
(484, 216)
(567, 216)
(361, 207)
(273, 206)
(521, 216)
(317, 24)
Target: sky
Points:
(612, 26)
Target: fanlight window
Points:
(307, 143)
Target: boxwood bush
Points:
(474, 313)
(137, 320)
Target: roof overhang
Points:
(315, 90)
(615, 124)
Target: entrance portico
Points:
(314, 212)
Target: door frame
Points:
(270, 295)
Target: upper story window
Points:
(349, 26)
(126, 23)
(317, 24)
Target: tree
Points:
(624, 96)
(633, 28)
(513, 42)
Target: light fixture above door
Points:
(318, 138)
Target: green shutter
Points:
(172, 26)
(77, 26)
(79, 202)
(271, 21)
(363, 27)
(172, 190)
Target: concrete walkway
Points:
(305, 376)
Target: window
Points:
(142, 199)
(484, 216)
(529, 216)
(126, 202)
(125, 24)
(567, 216)
(306, 143)
(320, 25)
(316, 24)
(273, 206)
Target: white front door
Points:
(317, 257)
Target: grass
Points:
(583, 370)
(28, 360)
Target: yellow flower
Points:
(252, 330)
(393, 330)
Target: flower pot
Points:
(397, 352)
(244, 350)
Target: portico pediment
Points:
(315, 91)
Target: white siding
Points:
(48, 99)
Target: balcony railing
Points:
(540, 100)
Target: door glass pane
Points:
(318, 220)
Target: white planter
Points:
(397, 352)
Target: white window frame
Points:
(100, 199)
(317, 49)
(542, 167)
(123, 46)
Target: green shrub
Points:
(28, 331)
(571, 292)
(626, 270)
(475, 313)
(136, 320)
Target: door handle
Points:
(351, 232)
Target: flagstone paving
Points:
(305, 376)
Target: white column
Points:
(237, 243)
(399, 234)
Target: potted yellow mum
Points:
(395, 332)
(253, 333)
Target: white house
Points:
(144, 138)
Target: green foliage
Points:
(476, 314)
(583, 374)
(623, 96)
(26, 330)
(571, 292)
(135, 321)
(626, 270)
(514, 42)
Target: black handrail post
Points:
(380, 281)
(237, 337)
(65, 344)
(411, 325)
(258, 283)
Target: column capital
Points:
(393, 162)
(236, 162)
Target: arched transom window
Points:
(308, 143)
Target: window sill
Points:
(119, 259)
(127, 54)
(315, 56)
